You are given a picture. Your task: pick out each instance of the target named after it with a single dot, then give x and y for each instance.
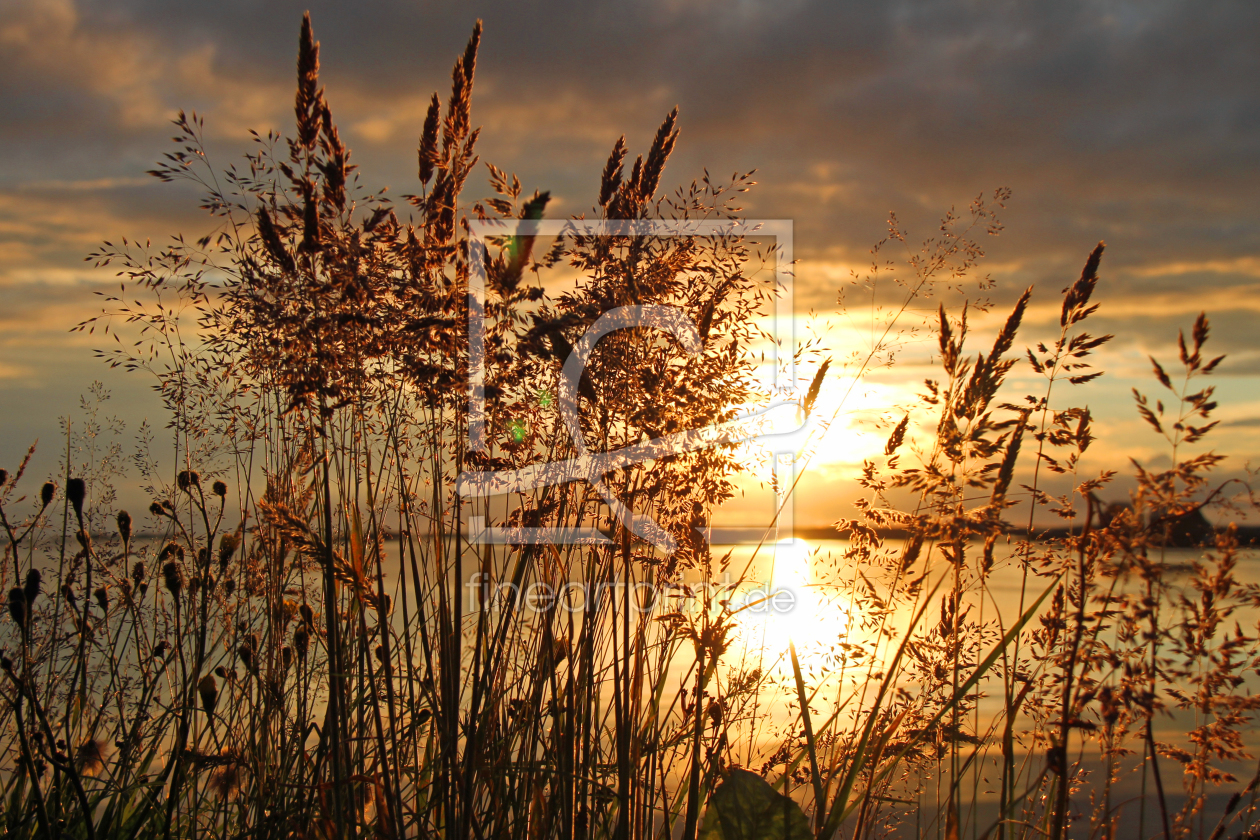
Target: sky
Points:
(1137, 123)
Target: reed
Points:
(302, 639)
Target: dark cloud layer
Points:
(1135, 122)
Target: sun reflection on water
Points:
(791, 606)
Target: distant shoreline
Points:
(1248, 535)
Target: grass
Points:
(286, 644)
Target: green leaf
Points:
(819, 795)
(746, 807)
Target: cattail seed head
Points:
(229, 586)
(76, 491)
(286, 657)
(227, 547)
(187, 480)
(220, 489)
(124, 526)
(209, 691)
(156, 509)
(173, 576)
(102, 599)
(17, 606)
(246, 653)
(4, 477)
(46, 493)
(137, 573)
(308, 615)
(221, 672)
(31, 589)
(301, 641)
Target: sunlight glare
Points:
(792, 607)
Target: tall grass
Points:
(303, 638)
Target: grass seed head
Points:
(32, 586)
(90, 756)
(173, 576)
(208, 690)
(187, 480)
(17, 606)
(246, 653)
(76, 491)
(226, 779)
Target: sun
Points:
(790, 607)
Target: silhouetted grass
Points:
(286, 644)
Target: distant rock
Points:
(1181, 530)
